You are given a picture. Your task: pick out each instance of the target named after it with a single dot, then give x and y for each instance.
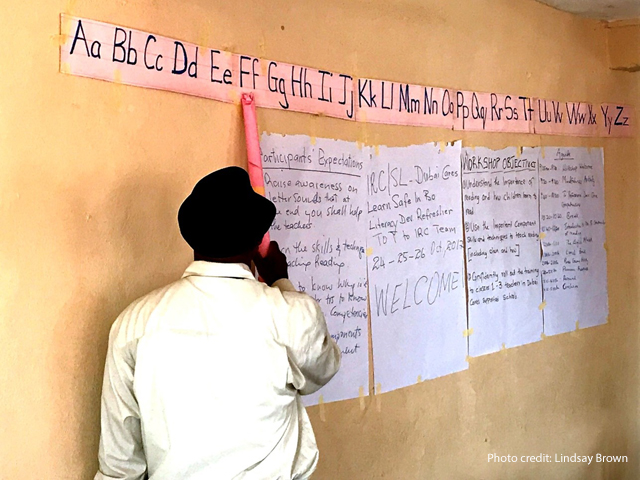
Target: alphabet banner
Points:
(133, 57)
(380, 101)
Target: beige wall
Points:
(623, 38)
(92, 174)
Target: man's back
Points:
(207, 371)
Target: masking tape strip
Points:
(542, 153)
(519, 151)
(542, 235)
(443, 146)
(419, 379)
(361, 397)
(468, 332)
(369, 251)
(378, 399)
(117, 76)
(577, 325)
(323, 415)
(65, 25)
(65, 68)
(542, 336)
(468, 359)
(503, 348)
(312, 140)
(377, 150)
(59, 40)
(543, 305)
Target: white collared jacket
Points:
(203, 380)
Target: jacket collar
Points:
(201, 268)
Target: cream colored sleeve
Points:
(313, 355)
(121, 455)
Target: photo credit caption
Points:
(557, 458)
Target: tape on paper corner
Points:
(577, 324)
(59, 39)
(419, 379)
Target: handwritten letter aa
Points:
(416, 266)
(318, 189)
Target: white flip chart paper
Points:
(416, 264)
(574, 263)
(501, 220)
(319, 191)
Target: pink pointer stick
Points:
(254, 159)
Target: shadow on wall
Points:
(120, 246)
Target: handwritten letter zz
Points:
(319, 192)
(416, 266)
(500, 195)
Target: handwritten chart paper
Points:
(501, 222)
(319, 193)
(574, 264)
(416, 266)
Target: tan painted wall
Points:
(624, 45)
(92, 173)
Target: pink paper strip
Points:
(492, 112)
(108, 52)
(381, 101)
(133, 57)
(284, 86)
(565, 118)
(616, 120)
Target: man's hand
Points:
(273, 266)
